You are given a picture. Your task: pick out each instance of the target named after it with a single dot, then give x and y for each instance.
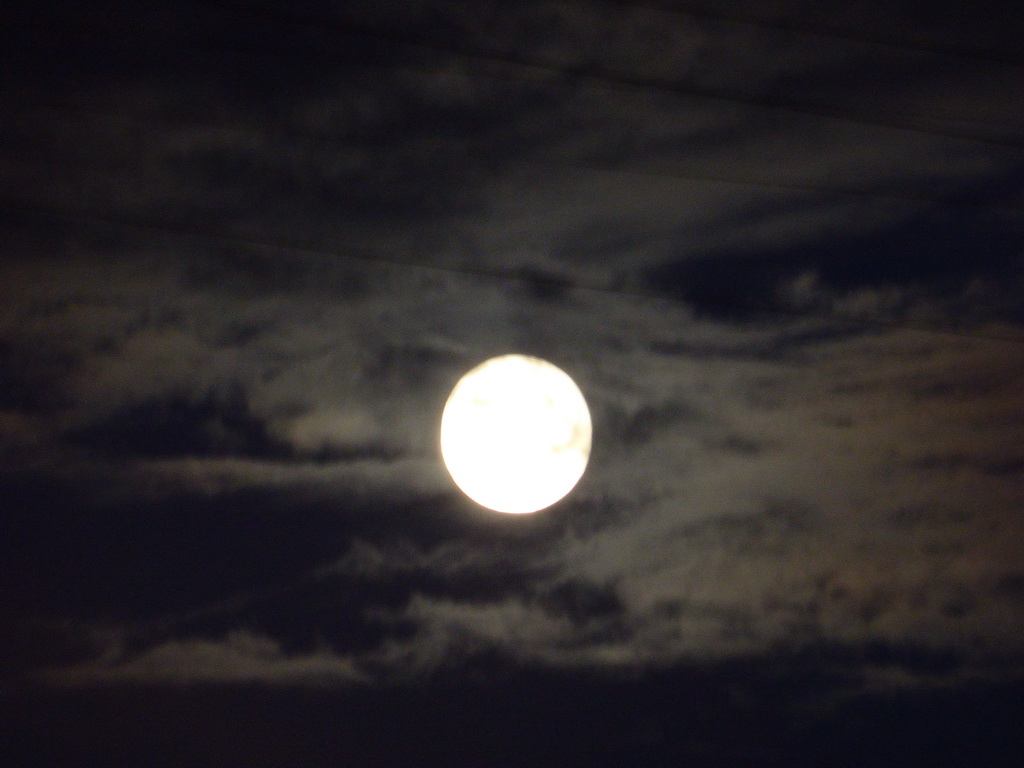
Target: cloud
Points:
(239, 657)
(734, 465)
(451, 632)
(777, 481)
(874, 275)
(350, 161)
(878, 507)
(212, 426)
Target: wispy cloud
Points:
(238, 657)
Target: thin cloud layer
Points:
(237, 289)
(759, 490)
(240, 657)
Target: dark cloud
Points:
(914, 659)
(249, 272)
(218, 424)
(28, 379)
(543, 285)
(679, 715)
(215, 425)
(786, 343)
(1011, 586)
(639, 426)
(999, 466)
(141, 557)
(777, 518)
(583, 602)
(912, 517)
(937, 252)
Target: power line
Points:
(170, 228)
(521, 277)
(590, 73)
(593, 167)
(819, 30)
(742, 16)
(607, 78)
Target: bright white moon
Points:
(515, 434)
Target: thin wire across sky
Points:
(515, 67)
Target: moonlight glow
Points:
(515, 434)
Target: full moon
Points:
(515, 434)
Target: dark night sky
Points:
(248, 249)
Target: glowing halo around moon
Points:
(515, 434)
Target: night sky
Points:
(248, 248)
